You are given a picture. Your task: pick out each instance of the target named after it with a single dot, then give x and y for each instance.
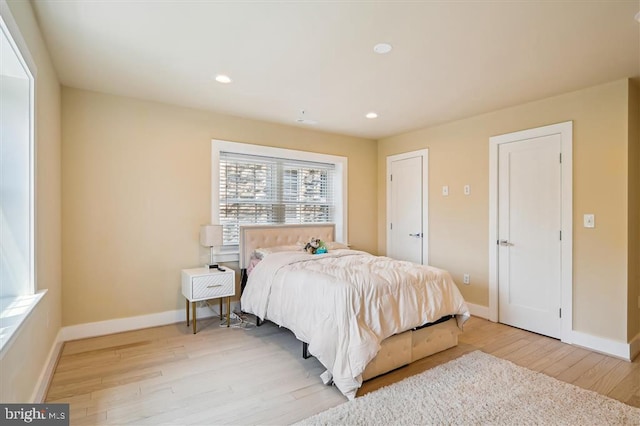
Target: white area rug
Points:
(480, 389)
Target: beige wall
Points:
(458, 224)
(23, 362)
(136, 187)
(634, 209)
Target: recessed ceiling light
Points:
(371, 115)
(221, 78)
(382, 48)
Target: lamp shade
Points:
(211, 235)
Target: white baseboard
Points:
(40, 391)
(101, 328)
(602, 345)
(634, 347)
(626, 351)
(478, 310)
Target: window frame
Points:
(339, 184)
(9, 27)
(15, 309)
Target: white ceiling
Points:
(450, 59)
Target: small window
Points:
(264, 185)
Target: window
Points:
(263, 185)
(17, 271)
(16, 173)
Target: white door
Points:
(406, 236)
(529, 234)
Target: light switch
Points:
(467, 189)
(589, 221)
(445, 190)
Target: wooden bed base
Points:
(404, 348)
(396, 351)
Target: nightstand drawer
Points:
(204, 283)
(212, 286)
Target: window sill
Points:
(227, 256)
(13, 313)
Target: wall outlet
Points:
(589, 221)
(445, 190)
(466, 279)
(467, 189)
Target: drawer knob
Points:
(216, 285)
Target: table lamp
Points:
(211, 236)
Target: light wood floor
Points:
(167, 375)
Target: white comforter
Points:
(344, 303)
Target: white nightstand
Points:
(203, 284)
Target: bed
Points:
(360, 315)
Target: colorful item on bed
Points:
(315, 246)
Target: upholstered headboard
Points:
(261, 236)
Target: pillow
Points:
(261, 252)
(334, 245)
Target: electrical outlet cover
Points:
(589, 221)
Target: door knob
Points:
(419, 235)
(505, 243)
